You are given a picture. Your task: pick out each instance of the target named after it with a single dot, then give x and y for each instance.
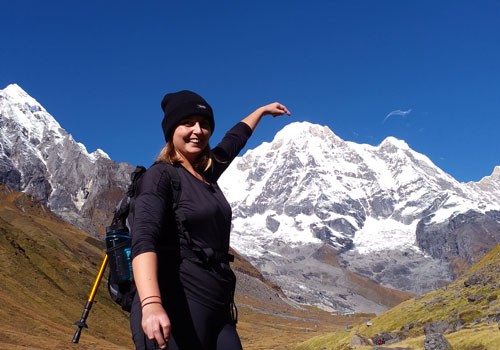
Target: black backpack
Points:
(123, 292)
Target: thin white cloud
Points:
(397, 112)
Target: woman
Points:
(184, 299)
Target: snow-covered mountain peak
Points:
(494, 177)
(392, 141)
(372, 203)
(99, 153)
(496, 173)
(307, 167)
(14, 91)
(14, 94)
(299, 133)
(488, 184)
(46, 161)
(28, 114)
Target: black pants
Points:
(194, 327)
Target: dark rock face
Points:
(9, 175)
(403, 270)
(466, 236)
(272, 224)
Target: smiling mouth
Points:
(194, 140)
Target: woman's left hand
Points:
(275, 109)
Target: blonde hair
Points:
(169, 155)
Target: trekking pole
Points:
(90, 301)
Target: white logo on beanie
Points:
(202, 106)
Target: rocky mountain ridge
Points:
(40, 158)
(311, 211)
(393, 216)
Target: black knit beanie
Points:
(182, 104)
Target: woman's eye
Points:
(188, 122)
(203, 124)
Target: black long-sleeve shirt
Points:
(208, 220)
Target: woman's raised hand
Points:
(275, 109)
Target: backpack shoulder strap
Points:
(180, 218)
(134, 177)
(175, 185)
(206, 255)
(125, 206)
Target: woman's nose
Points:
(197, 127)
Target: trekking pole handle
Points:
(88, 305)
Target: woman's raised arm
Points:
(275, 109)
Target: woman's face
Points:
(191, 137)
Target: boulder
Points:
(436, 341)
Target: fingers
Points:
(161, 339)
(165, 332)
(284, 109)
(278, 109)
(156, 326)
(164, 345)
(161, 334)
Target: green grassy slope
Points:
(470, 305)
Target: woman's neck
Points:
(189, 167)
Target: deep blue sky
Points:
(101, 69)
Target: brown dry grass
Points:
(47, 269)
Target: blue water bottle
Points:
(118, 242)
